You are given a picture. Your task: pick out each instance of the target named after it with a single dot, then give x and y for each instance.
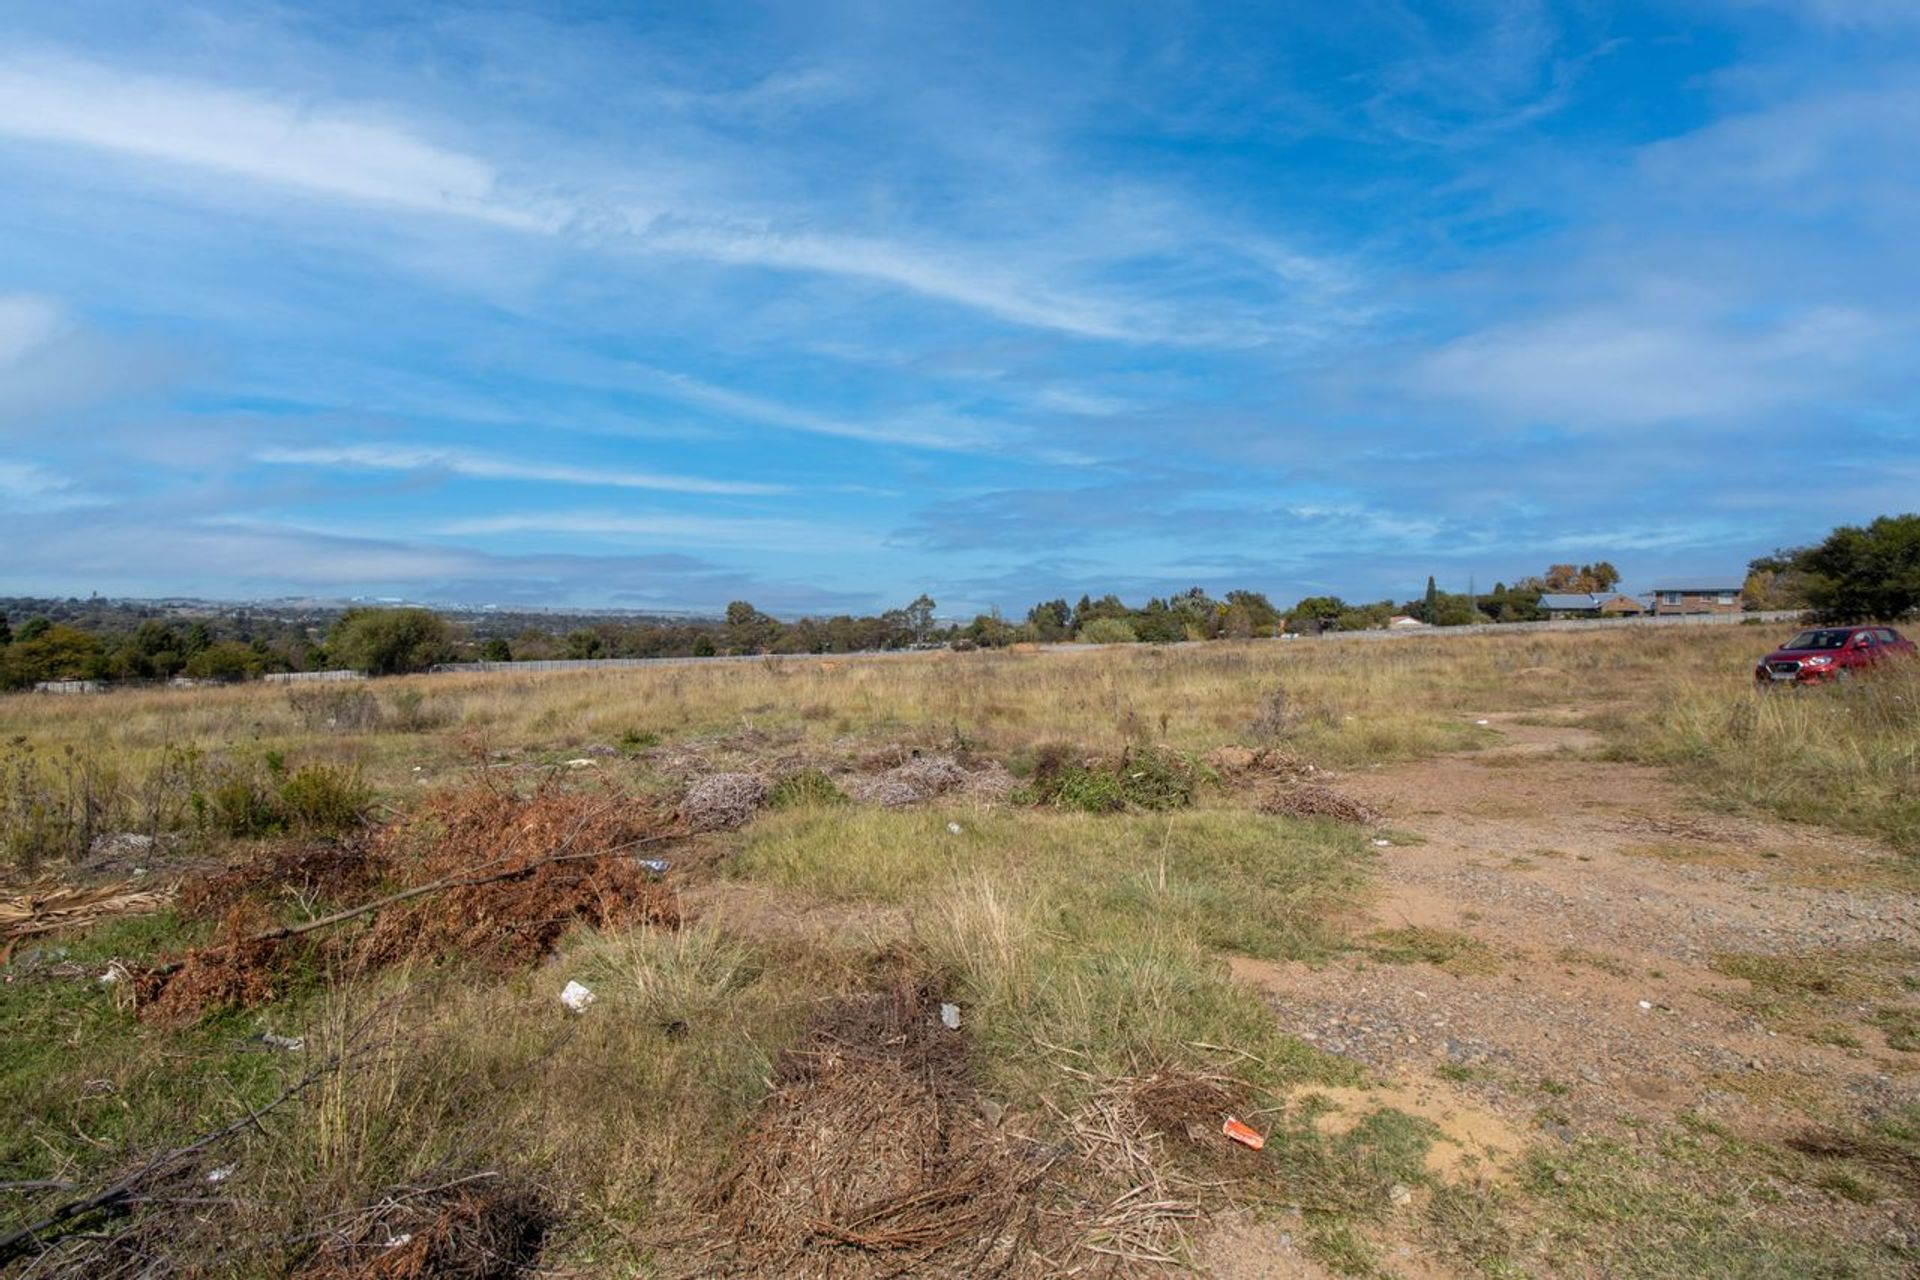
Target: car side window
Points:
(1889, 636)
(1864, 639)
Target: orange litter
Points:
(1242, 1134)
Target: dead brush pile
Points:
(553, 860)
(1316, 800)
(919, 779)
(479, 873)
(873, 1157)
(1149, 1149)
(320, 871)
(478, 1228)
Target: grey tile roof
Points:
(1692, 585)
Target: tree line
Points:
(1858, 572)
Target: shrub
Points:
(323, 798)
(1108, 631)
(1144, 778)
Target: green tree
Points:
(197, 639)
(226, 660)
(703, 646)
(1861, 573)
(748, 629)
(385, 642)
(1051, 620)
(920, 618)
(1430, 607)
(1315, 613)
(584, 643)
(6, 632)
(53, 651)
(496, 649)
(33, 629)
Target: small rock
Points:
(1399, 1193)
(953, 828)
(576, 997)
(950, 1016)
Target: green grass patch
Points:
(1447, 949)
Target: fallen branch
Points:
(126, 1190)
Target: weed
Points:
(803, 788)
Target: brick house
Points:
(1697, 595)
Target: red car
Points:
(1830, 653)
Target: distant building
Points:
(1697, 595)
(1402, 622)
(68, 686)
(1590, 604)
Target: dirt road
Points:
(1565, 946)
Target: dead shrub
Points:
(334, 709)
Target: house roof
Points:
(1580, 599)
(1694, 585)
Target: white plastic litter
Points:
(286, 1044)
(1646, 1004)
(221, 1174)
(1383, 843)
(953, 828)
(950, 1016)
(1481, 722)
(656, 865)
(405, 1237)
(583, 763)
(576, 997)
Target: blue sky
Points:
(823, 305)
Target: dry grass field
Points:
(1543, 954)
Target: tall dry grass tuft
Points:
(1844, 755)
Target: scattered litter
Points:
(286, 1044)
(656, 865)
(111, 976)
(576, 997)
(46, 908)
(1480, 722)
(583, 763)
(395, 1242)
(1243, 1133)
(953, 828)
(221, 1174)
(1381, 843)
(950, 1016)
(1646, 1004)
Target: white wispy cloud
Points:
(371, 155)
(319, 147)
(920, 428)
(27, 487)
(749, 532)
(479, 466)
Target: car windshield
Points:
(1819, 640)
